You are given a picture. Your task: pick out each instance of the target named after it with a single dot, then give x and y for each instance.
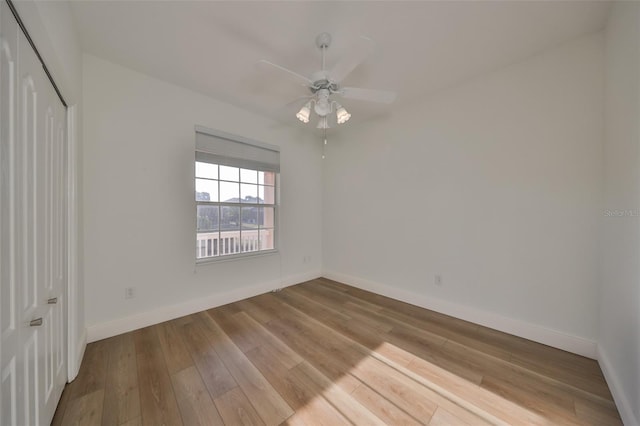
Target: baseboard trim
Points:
(554, 338)
(80, 348)
(118, 326)
(625, 408)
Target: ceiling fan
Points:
(325, 84)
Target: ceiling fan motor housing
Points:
(322, 82)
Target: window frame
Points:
(219, 203)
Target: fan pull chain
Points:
(324, 145)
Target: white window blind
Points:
(213, 146)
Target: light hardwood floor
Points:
(323, 353)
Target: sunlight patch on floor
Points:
(416, 381)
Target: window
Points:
(235, 194)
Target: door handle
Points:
(52, 301)
(36, 322)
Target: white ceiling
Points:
(212, 47)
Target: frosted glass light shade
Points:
(342, 115)
(303, 114)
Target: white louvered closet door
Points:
(32, 244)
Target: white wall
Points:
(619, 337)
(139, 202)
(50, 25)
(495, 185)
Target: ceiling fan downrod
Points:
(323, 41)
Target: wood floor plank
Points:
(462, 333)
(337, 354)
(121, 396)
(263, 308)
(317, 355)
(310, 407)
(157, 400)
(390, 318)
(175, 351)
(463, 336)
(62, 406)
(235, 409)
(244, 334)
(93, 370)
(228, 309)
(537, 402)
(263, 338)
(368, 316)
(277, 372)
(214, 374)
(85, 410)
(348, 358)
(413, 311)
(488, 366)
(358, 331)
(346, 405)
(323, 352)
(343, 328)
(395, 385)
(179, 322)
(332, 284)
(404, 393)
(334, 299)
(562, 370)
(267, 402)
(429, 349)
(253, 308)
(331, 305)
(384, 409)
(440, 387)
(194, 401)
(594, 414)
(549, 362)
(394, 353)
(475, 396)
(133, 422)
(518, 383)
(444, 418)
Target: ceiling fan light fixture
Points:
(325, 84)
(322, 105)
(305, 111)
(342, 115)
(323, 123)
(322, 108)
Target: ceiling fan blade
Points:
(297, 101)
(372, 95)
(263, 64)
(354, 57)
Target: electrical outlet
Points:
(437, 279)
(129, 293)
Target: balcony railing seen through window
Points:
(235, 210)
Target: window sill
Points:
(234, 257)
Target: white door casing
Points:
(33, 245)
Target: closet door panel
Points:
(10, 338)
